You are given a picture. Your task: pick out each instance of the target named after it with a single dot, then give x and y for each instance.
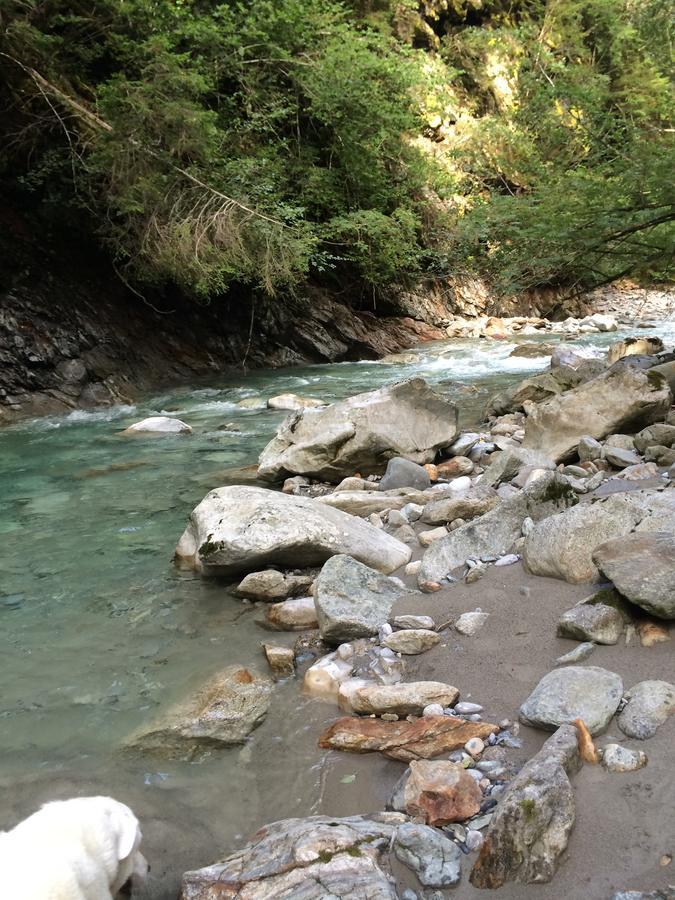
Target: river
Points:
(98, 629)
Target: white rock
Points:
(616, 758)
(433, 709)
(324, 677)
(413, 567)
(159, 425)
(469, 623)
(474, 747)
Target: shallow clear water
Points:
(97, 627)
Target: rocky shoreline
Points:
(390, 526)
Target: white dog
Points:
(82, 849)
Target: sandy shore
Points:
(625, 822)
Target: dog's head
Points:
(126, 835)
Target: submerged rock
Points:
(402, 699)
(362, 433)
(576, 692)
(642, 566)
(222, 712)
(237, 529)
(421, 739)
(353, 600)
(623, 397)
(293, 402)
(533, 819)
(281, 660)
(649, 705)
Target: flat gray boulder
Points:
(533, 820)
(353, 600)
(576, 692)
(601, 619)
(402, 473)
(239, 529)
(642, 567)
(434, 858)
(649, 705)
(623, 398)
(362, 433)
(223, 712)
(494, 532)
(562, 546)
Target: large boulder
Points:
(433, 857)
(533, 819)
(577, 692)
(601, 618)
(495, 532)
(362, 433)
(562, 546)
(353, 600)
(272, 585)
(642, 567)
(506, 465)
(223, 712)
(238, 529)
(623, 398)
(402, 473)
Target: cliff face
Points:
(73, 336)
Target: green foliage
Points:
(211, 144)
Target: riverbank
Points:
(73, 336)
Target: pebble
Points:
(508, 560)
(476, 775)
(375, 520)
(469, 623)
(484, 820)
(412, 511)
(396, 518)
(433, 709)
(474, 717)
(578, 653)
(474, 747)
(527, 526)
(429, 587)
(475, 573)
(384, 631)
(344, 651)
(463, 483)
(413, 567)
(466, 708)
(474, 840)
(456, 831)
(414, 622)
(389, 717)
(507, 739)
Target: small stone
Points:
(453, 468)
(411, 641)
(425, 622)
(281, 660)
(474, 840)
(471, 622)
(462, 483)
(298, 613)
(413, 567)
(402, 473)
(412, 512)
(474, 747)
(620, 458)
(428, 537)
(652, 632)
(375, 520)
(432, 471)
(589, 448)
(576, 692)
(429, 587)
(396, 519)
(616, 758)
(582, 651)
(433, 709)
(507, 560)
(466, 709)
(389, 717)
(527, 526)
(434, 858)
(475, 573)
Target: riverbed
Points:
(99, 629)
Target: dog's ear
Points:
(128, 831)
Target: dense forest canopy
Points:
(266, 143)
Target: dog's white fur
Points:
(81, 849)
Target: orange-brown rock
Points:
(452, 468)
(432, 471)
(440, 792)
(652, 632)
(422, 739)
